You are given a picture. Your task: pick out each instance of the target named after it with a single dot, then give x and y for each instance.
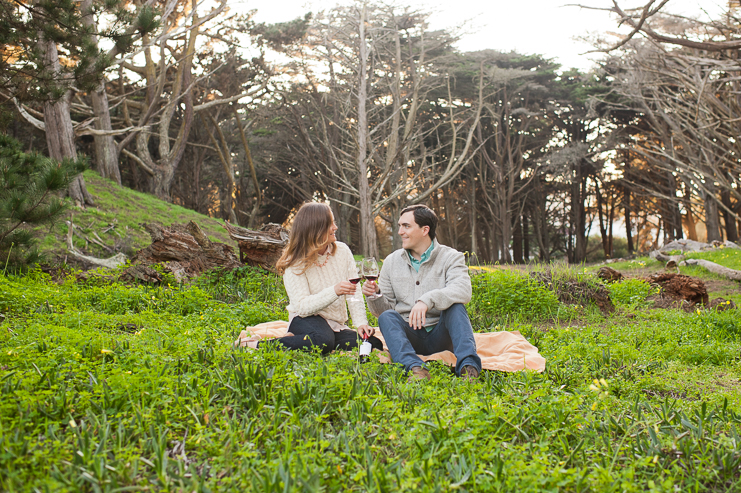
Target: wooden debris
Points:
(183, 250)
(671, 260)
(260, 248)
(681, 287)
(734, 275)
(109, 263)
(141, 273)
(609, 274)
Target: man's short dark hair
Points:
(423, 216)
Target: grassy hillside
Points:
(117, 220)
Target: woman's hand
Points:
(366, 331)
(370, 288)
(345, 287)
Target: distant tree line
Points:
(367, 107)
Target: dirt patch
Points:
(722, 288)
(663, 394)
(58, 272)
(721, 305)
(669, 302)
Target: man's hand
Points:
(366, 331)
(345, 287)
(418, 316)
(370, 288)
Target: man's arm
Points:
(457, 287)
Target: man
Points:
(424, 287)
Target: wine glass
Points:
(370, 273)
(356, 279)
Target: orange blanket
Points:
(502, 351)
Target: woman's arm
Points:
(357, 308)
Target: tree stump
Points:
(681, 287)
(609, 274)
(260, 248)
(183, 250)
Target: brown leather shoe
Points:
(419, 373)
(469, 373)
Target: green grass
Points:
(117, 219)
(112, 387)
(102, 384)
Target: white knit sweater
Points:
(312, 293)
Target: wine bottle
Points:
(364, 352)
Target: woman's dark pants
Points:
(314, 331)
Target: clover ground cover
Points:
(108, 387)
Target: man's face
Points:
(412, 235)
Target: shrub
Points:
(506, 293)
(28, 186)
(630, 292)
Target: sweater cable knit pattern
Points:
(312, 293)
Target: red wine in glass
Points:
(370, 272)
(354, 280)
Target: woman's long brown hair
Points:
(308, 237)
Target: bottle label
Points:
(365, 348)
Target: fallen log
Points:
(731, 274)
(662, 257)
(185, 251)
(260, 248)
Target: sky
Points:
(547, 27)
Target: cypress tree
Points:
(29, 186)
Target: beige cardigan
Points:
(312, 293)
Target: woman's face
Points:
(331, 238)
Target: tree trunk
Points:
(60, 136)
(368, 237)
(712, 218)
(225, 156)
(728, 218)
(106, 152)
(474, 246)
(517, 241)
(602, 226)
(628, 227)
(525, 238)
(579, 215)
(611, 221)
(253, 172)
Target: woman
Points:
(316, 268)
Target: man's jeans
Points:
(452, 333)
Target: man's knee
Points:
(388, 319)
(457, 308)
